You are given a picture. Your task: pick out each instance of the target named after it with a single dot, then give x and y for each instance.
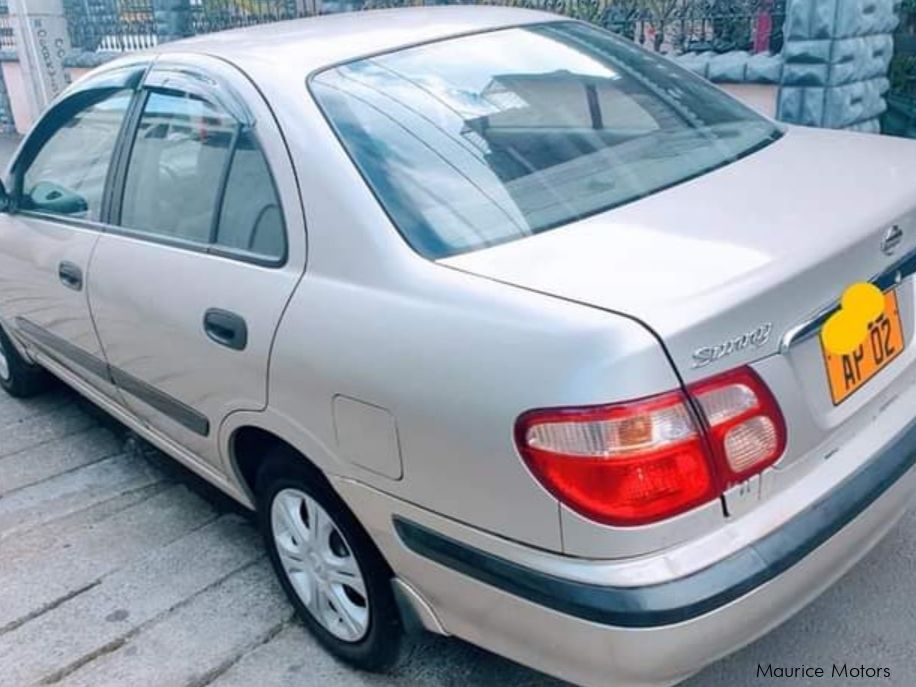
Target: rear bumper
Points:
(593, 633)
(691, 596)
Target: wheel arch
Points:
(247, 437)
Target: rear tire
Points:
(18, 377)
(333, 574)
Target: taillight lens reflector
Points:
(639, 462)
(746, 428)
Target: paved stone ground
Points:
(119, 567)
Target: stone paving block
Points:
(103, 618)
(14, 410)
(33, 465)
(213, 630)
(47, 564)
(73, 491)
(293, 659)
(39, 429)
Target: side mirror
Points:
(5, 200)
(46, 196)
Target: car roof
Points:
(315, 42)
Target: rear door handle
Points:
(226, 328)
(70, 275)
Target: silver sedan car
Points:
(506, 328)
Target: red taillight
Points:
(642, 461)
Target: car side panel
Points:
(149, 301)
(34, 302)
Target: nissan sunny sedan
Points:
(507, 328)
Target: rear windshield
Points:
(482, 139)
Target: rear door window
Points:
(183, 145)
(197, 177)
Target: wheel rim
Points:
(4, 363)
(320, 565)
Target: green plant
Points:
(903, 74)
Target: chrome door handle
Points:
(70, 275)
(226, 328)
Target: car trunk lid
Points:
(726, 267)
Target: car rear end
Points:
(805, 489)
(655, 619)
(809, 458)
(695, 518)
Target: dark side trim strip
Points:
(153, 397)
(687, 597)
(64, 348)
(165, 404)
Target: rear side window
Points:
(67, 175)
(477, 140)
(196, 176)
(250, 219)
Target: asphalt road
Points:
(119, 567)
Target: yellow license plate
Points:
(849, 373)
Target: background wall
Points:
(837, 54)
